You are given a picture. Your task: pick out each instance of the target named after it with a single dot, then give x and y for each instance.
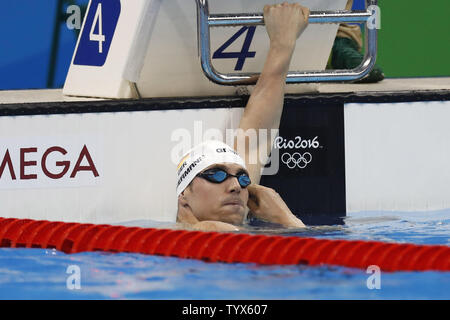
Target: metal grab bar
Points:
(205, 21)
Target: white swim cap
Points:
(202, 156)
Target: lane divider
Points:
(222, 247)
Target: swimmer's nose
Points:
(233, 185)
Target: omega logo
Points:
(7, 164)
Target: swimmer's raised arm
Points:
(219, 204)
(284, 24)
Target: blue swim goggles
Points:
(218, 175)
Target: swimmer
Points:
(216, 187)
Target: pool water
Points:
(50, 274)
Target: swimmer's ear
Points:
(185, 214)
(182, 200)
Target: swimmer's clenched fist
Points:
(285, 22)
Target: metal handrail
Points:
(206, 20)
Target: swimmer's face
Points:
(226, 201)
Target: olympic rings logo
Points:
(296, 159)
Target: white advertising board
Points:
(99, 167)
(397, 156)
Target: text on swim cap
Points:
(189, 169)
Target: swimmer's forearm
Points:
(287, 219)
(278, 60)
(291, 221)
(284, 24)
(265, 105)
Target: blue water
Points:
(43, 274)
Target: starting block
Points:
(155, 48)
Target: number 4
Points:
(99, 37)
(241, 56)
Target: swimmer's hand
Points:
(266, 204)
(285, 23)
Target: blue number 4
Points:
(243, 54)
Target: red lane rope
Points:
(222, 247)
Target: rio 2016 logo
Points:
(298, 160)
